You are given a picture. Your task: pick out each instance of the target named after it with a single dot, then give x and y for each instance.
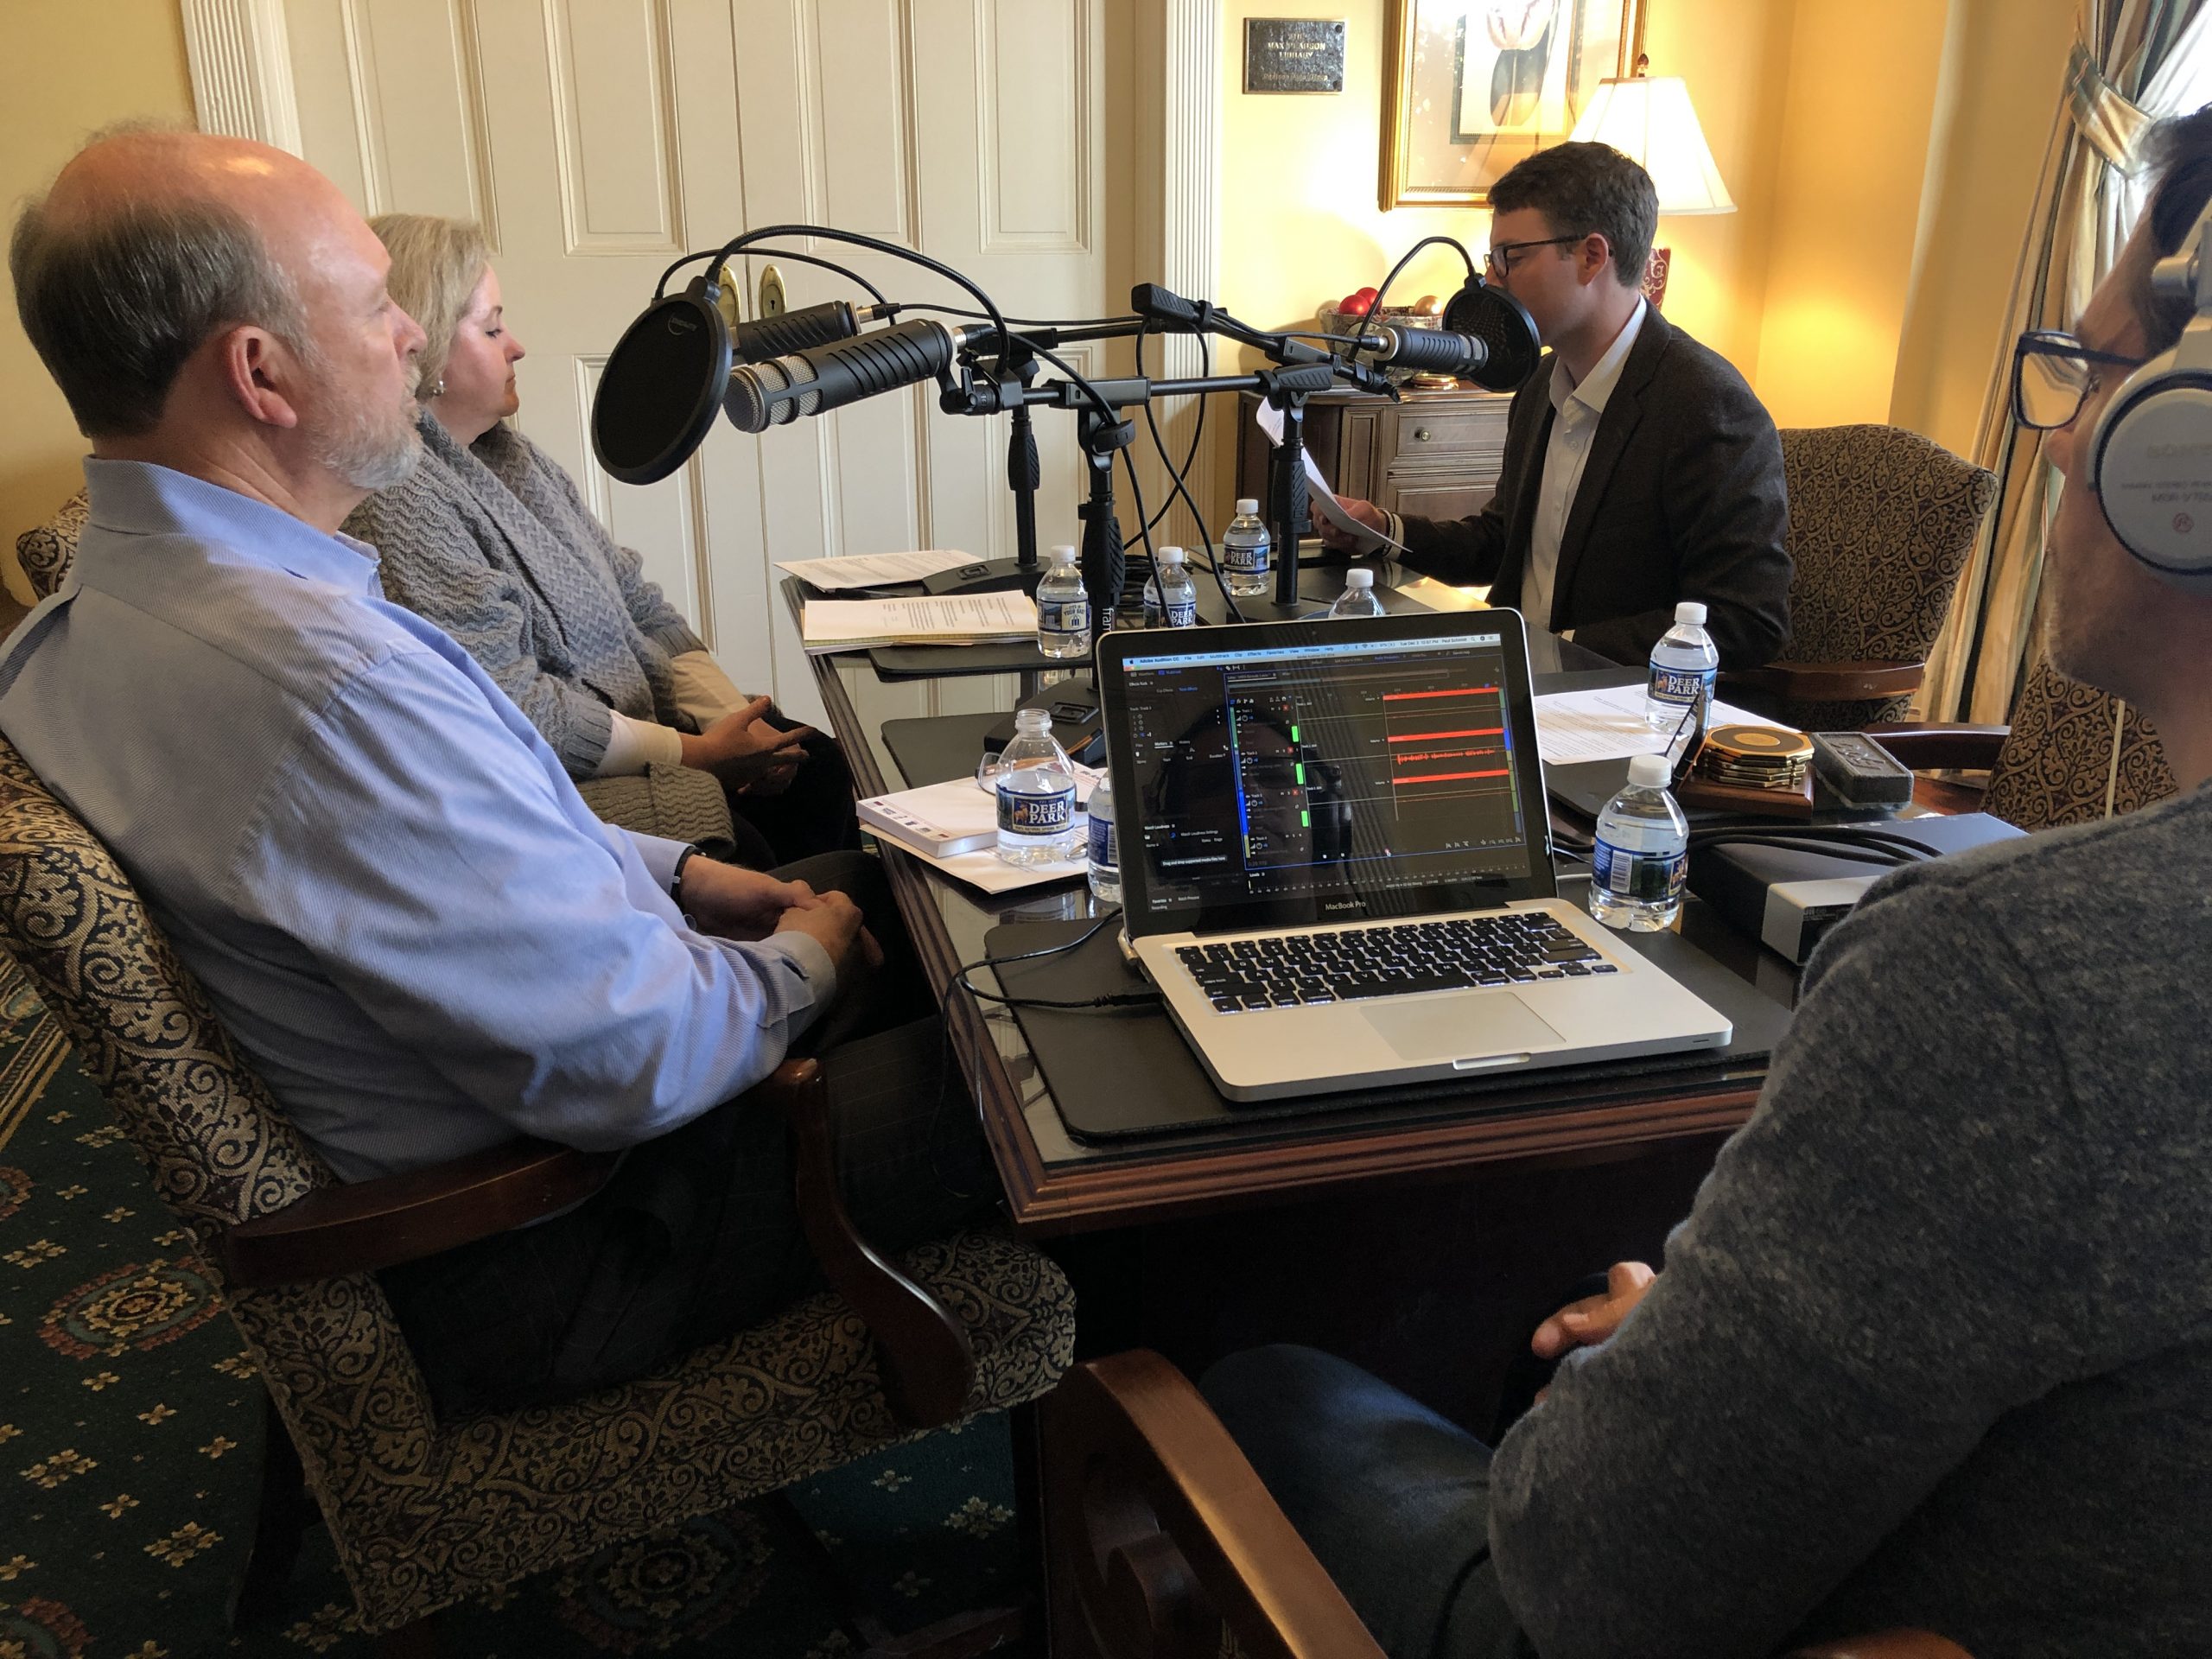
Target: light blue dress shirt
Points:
(402, 910)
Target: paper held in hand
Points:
(830, 625)
(1320, 496)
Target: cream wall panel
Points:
(859, 94)
(330, 125)
(614, 125)
(418, 114)
(1034, 89)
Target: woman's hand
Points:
(743, 748)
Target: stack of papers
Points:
(873, 569)
(954, 828)
(1609, 725)
(828, 625)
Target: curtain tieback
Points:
(2106, 116)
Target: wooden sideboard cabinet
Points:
(1433, 453)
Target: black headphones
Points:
(2151, 454)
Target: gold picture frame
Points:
(1471, 86)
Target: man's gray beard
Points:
(369, 455)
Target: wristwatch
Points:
(675, 877)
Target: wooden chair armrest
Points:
(1889, 1645)
(361, 1226)
(1930, 746)
(1829, 682)
(927, 1365)
(1155, 1522)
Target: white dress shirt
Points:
(1576, 410)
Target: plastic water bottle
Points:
(1063, 608)
(1247, 555)
(1036, 791)
(1643, 853)
(1358, 596)
(1683, 663)
(1105, 845)
(1171, 597)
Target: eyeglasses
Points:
(2053, 375)
(1499, 259)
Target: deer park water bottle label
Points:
(1041, 814)
(1682, 685)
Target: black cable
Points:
(1383, 292)
(737, 245)
(874, 292)
(1117, 1000)
(1025, 322)
(1176, 477)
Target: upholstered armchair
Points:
(421, 1511)
(2072, 754)
(45, 551)
(1161, 1543)
(1881, 522)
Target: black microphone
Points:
(1503, 324)
(794, 330)
(1430, 351)
(823, 377)
(668, 373)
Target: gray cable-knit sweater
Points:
(1934, 1346)
(493, 543)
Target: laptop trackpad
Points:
(1460, 1027)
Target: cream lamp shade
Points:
(1649, 118)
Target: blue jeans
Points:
(1393, 1499)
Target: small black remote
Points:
(1860, 770)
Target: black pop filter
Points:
(1502, 323)
(661, 386)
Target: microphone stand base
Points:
(986, 576)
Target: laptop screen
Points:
(1289, 773)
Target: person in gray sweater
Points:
(490, 539)
(1933, 1348)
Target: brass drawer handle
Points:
(1421, 435)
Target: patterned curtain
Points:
(2133, 62)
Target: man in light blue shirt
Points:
(383, 877)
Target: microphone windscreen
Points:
(660, 388)
(1504, 325)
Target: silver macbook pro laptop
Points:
(1336, 865)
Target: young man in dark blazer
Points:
(1639, 469)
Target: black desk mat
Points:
(936, 748)
(1126, 1075)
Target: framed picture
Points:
(1473, 85)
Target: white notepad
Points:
(829, 625)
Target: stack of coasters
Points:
(1756, 757)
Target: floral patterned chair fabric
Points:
(1881, 522)
(2073, 755)
(423, 1513)
(46, 551)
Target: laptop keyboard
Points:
(1346, 965)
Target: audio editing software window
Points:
(1274, 775)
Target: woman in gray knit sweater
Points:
(490, 539)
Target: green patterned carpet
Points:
(130, 1431)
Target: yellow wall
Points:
(1882, 154)
(1853, 152)
(56, 84)
(1980, 193)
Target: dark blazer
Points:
(1681, 497)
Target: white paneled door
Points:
(598, 140)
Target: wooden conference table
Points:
(1425, 1250)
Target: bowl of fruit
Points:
(1354, 313)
